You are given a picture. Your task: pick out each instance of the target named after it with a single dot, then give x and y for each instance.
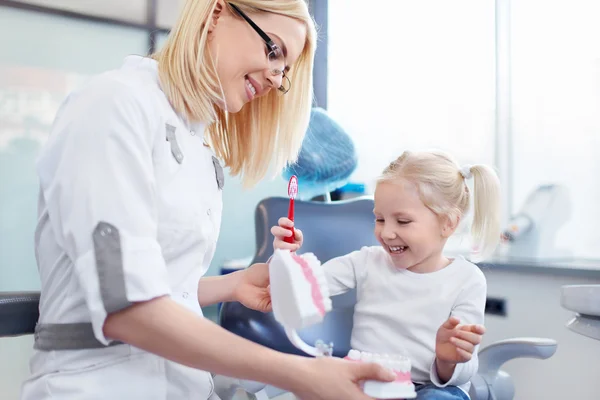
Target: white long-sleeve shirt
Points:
(399, 311)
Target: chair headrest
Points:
(330, 229)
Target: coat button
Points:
(208, 212)
(185, 295)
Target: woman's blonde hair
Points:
(268, 131)
(443, 189)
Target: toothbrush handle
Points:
(291, 239)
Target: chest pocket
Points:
(181, 192)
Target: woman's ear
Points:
(449, 224)
(216, 14)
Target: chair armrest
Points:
(19, 313)
(495, 355)
(492, 384)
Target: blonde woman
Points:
(411, 298)
(130, 210)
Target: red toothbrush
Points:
(292, 192)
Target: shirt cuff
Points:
(119, 271)
(435, 379)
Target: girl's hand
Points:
(282, 231)
(455, 343)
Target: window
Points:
(556, 112)
(422, 74)
(417, 74)
(129, 11)
(167, 12)
(60, 54)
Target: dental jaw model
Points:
(299, 295)
(401, 388)
(300, 299)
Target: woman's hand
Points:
(284, 230)
(252, 288)
(455, 343)
(330, 378)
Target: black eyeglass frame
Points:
(271, 45)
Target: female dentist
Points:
(130, 210)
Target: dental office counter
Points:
(524, 300)
(582, 268)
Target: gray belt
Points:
(76, 336)
(109, 263)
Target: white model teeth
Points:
(396, 362)
(311, 259)
(354, 355)
(251, 87)
(318, 273)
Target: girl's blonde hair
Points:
(443, 189)
(267, 131)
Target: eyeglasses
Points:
(274, 53)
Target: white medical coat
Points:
(129, 210)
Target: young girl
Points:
(411, 299)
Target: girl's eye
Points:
(403, 222)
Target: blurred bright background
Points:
(514, 84)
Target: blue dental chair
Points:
(332, 229)
(19, 313)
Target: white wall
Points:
(533, 303)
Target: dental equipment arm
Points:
(531, 233)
